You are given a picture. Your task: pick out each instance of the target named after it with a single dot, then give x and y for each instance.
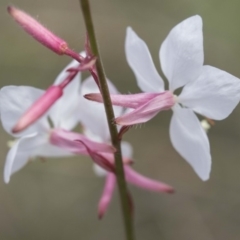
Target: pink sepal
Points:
(148, 110)
(68, 140)
(86, 64)
(98, 158)
(39, 108)
(107, 194)
(128, 101)
(38, 31)
(144, 182)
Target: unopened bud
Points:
(38, 31)
(39, 108)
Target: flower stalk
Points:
(110, 116)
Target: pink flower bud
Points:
(38, 31)
(38, 108)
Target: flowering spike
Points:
(40, 33)
(106, 195)
(38, 108)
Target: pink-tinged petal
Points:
(70, 141)
(107, 194)
(92, 115)
(190, 140)
(181, 53)
(214, 94)
(14, 102)
(64, 113)
(147, 111)
(128, 101)
(38, 109)
(141, 62)
(98, 158)
(144, 182)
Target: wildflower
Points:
(207, 90)
(40, 139)
(95, 126)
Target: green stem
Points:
(122, 186)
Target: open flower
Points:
(207, 90)
(40, 139)
(93, 119)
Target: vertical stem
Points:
(122, 186)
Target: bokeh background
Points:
(58, 199)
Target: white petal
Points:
(27, 147)
(140, 60)
(18, 155)
(190, 140)
(46, 149)
(181, 53)
(92, 114)
(99, 171)
(14, 101)
(127, 149)
(64, 113)
(214, 94)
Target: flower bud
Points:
(38, 31)
(39, 108)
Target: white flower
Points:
(34, 141)
(207, 90)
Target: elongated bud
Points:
(38, 31)
(38, 108)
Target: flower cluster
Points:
(43, 121)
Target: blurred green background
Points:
(58, 199)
